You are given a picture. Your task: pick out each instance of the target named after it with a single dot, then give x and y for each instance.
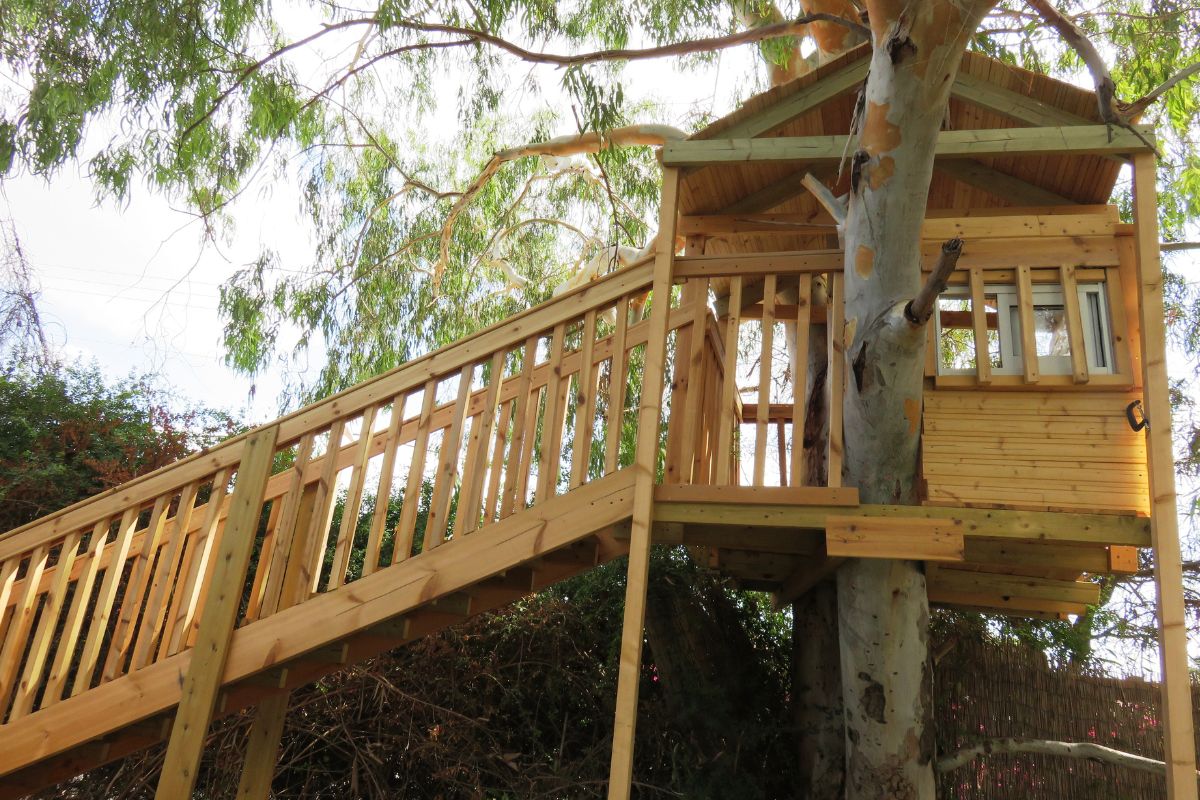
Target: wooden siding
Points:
(1034, 450)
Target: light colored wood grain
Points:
(65, 651)
(446, 476)
(475, 469)
(725, 424)
(1079, 359)
(207, 665)
(353, 502)
(910, 539)
(766, 351)
(618, 375)
(43, 635)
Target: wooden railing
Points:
(441, 448)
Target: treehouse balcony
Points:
(693, 398)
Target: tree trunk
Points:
(883, 610)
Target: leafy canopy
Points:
(382, 117)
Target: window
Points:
(956, 330)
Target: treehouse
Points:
(693, 398)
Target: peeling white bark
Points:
(1087, 750)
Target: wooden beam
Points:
(787, 109)
(1178, 735)
(1086, 139)
(880, 537)
(751, 495)
(807, 574)
(1000, 184)
(781, 263)
(1010, 592)
(1014, 105)
(645, 458)
(217, 620)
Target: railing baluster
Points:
(513, 482)
(475, 469)
(350, 509)
(406, 527)
(102, 612)
(1075, 340)
(65, 652)
(585, 404)
(983, 359)
(835, 381)
(725, 437)
(21, 623)
(551, 424)
(285, 528)
(617, 378)
(164, 578)
(135, 591)
(447, 469)
(323, 508)
(46, 625)
(383, 493)
(800, 377)
(197, 565)
(1029, 356)
(764, 380)
(689, 433)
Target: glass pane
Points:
(956, 329)
(1098, 340)
(1050, 330)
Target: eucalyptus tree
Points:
(422, 238)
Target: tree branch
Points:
(1141, 104)
(1088, 750)
(920, 308)
(648, 135)
(1106, 89)
(796, 27)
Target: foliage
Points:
(66, 434)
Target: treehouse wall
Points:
(1042, 450)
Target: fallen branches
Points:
(1087, 750)
(920, 308)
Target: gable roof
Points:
(987, 94)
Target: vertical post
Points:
(1178, 736)
(620, 774)
(218, 617)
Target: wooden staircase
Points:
(461, 481)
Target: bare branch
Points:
(1088, 750)
(1141, 104)
(796, 27)
(920, 308)
(646, 135)
(1106, 89)
(834, 205)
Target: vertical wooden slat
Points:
(1123, 340)
(286, 528)
(646, 457)
(262, 568)
(689, 424)
(514, 466)
(46, 628)
(585, 404)
(383, 492)
(350, 509)
(1178, 725)
(200, 685)
(680, 378)
(983, 360)
(21, 623)
(616, 389)
(835, 384)
(800, 376)
(496, 467)
(1075, 336)
(323, 507)
(764, 380)
(551, 428)
(725, 438)
(75, 615)
(135, 591)
(164, 578)
(195, 567)
(1029, 355)
(475, 471)
(102, 611)
(447, 470)
(406, 527)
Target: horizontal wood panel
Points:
(1049, 449)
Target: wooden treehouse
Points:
(539, 448)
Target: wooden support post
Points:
(1178, 735)
(621, 768)
(217, 620)
(983, 357)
